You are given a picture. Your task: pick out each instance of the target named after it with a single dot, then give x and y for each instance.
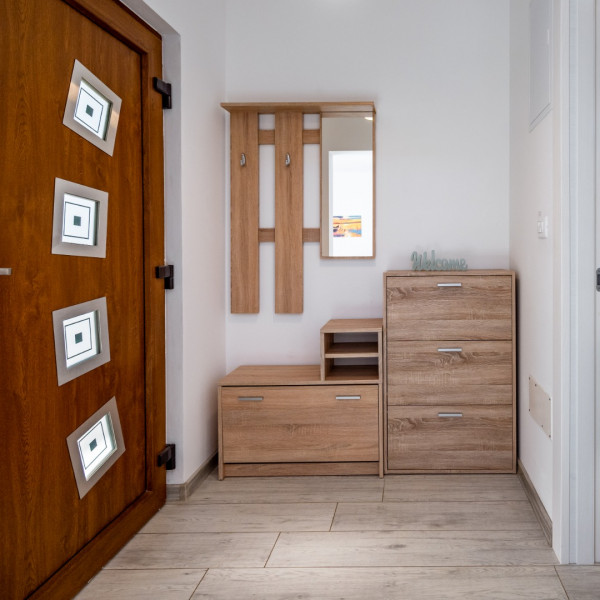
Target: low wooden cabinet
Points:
(285, 420)
(450, 371)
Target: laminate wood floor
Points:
(421, 537)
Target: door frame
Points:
(122, 23)
(577, 524)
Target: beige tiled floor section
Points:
(468, 537)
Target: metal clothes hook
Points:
(288, 160)
(243, 160)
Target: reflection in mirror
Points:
(347, 200)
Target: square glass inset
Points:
(79, 220)
(96, 446)
(81, 338)
(92, 110)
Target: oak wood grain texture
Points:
(266, 137)
(453, 488)
(339, 341)
(300, 469)
(580, 582)
(352, 326)
(166, 584)
(260, 375)
(308, 235)
(244, 212)
(467, 373)
(193, 551)
(281, 490)
(302, 107)
(420, 439)
(244, 518)
(300, 424)
(436, 516)
(378, 548)
(289, 213)
(450, 583)
(450, 342)
(47, 533)
(481, 309)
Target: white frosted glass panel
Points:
(81, 338)
(92, 110)
(79, 220)
(96, 446)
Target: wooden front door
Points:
(52, 540)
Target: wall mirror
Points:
(347, 185)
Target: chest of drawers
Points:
(450, 372)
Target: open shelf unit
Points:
(351, 350)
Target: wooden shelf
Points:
(354, 373)
(351, 350)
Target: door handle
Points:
(443, 285)
(5, 271)
(456, 415)
(250, 398)
(347, 397)
(449, 349)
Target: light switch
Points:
(542, 226)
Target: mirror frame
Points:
(359, 111)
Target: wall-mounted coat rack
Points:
(289, 235)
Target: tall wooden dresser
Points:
(450, 403)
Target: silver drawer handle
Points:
(449, 284)
(347, 397)
(450, 415)
(5, 271)
(250, 398)
(449, 349)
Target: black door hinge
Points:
(167, 457)
(598, 280)
(164, 89)
(166, 272)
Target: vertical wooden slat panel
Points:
(244, 213)
(288, 213)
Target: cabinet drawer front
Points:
(449, 308)
(300, 424)
(464, 372)
(439, 438)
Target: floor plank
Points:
(453, 488)
(278, 490)
(166, 584)
(526, 583)
(415, 548)
(194, 551)
(435, 516)
(580, 582)
(242, 518)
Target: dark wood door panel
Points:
(45, 524)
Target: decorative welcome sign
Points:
(421, 262)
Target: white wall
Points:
(438, 72)
(194, 62)
(533, 189)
